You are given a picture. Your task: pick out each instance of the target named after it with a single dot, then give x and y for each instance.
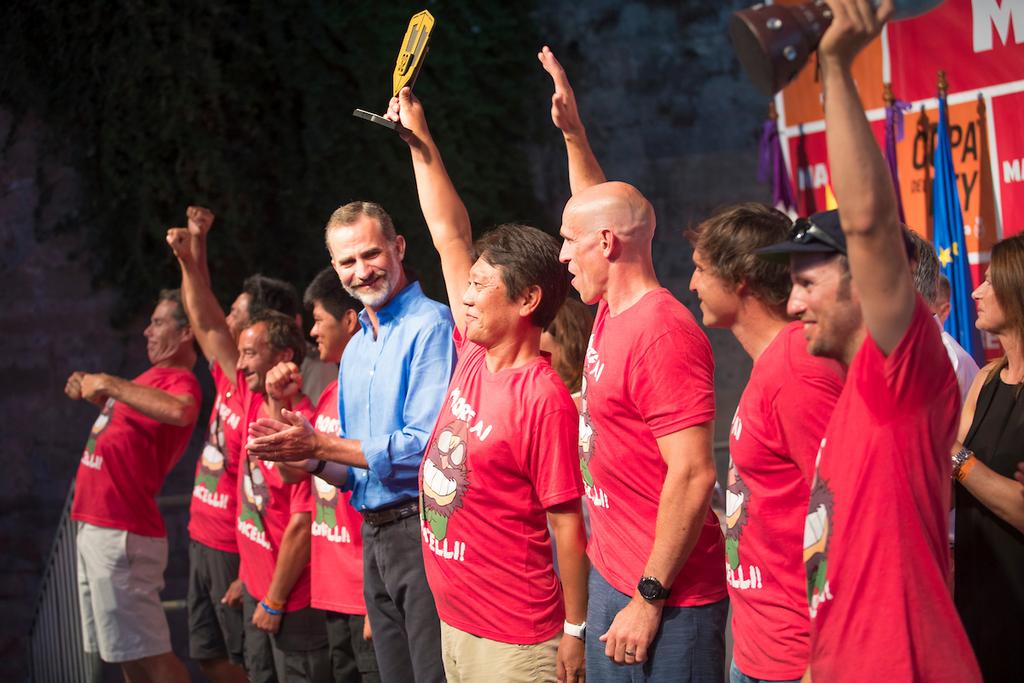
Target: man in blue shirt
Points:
(393, 377)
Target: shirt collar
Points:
(396, 307)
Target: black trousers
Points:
(297, 653)
(352, 658)
(406, 630)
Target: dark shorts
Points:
(214, 629)
(352, 658)
(298, 651)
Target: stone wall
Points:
(667, 110)
(54, 321)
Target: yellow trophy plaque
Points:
(408, 65)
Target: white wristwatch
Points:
(575, 630)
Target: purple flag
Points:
(893, 134)
(772, 167)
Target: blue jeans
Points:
(689, 646)
(737, 676)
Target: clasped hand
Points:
(286, 440)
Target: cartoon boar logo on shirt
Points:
(211, 461)
(326, 502)
(737, 500)
(99, 426)
(445, 477)
(587, 436)
(257, 495)
(817, 533)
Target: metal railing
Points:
(56, 653)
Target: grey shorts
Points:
(214, 628)
(120, 576)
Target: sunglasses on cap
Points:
(804, 231)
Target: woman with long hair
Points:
(989, 551)
(566, 340)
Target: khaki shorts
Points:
(120, 576)
(468, 658)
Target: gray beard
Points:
(374, 299)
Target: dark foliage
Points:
(245, 107)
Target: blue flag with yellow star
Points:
(950, 244)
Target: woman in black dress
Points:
(989, 551)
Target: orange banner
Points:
(969, 138)
(802, 97)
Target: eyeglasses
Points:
(804, 230)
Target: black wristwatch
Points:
(650, 589)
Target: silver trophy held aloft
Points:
(773, 42)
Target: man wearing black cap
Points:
(875, 546)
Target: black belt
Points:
(392, 514)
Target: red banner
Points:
(1008, 115)
(978, 43)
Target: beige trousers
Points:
(471, 659)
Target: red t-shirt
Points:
(648, 373)
(876, 540)
(775, 435)
(265, 507)
(337, 550)
(127, 457)
(501, 453)
(214, 508)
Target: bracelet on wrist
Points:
(273, 604)
(575, 630)
(316, 471)
(965, 467)
(959, 458)
(270, 610)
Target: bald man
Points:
(657, 587)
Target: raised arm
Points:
(860, 179)
(584, 170)
(442, 208)
(200, 220)
(204, 313)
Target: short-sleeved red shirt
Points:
(648, 373)
(213, 509)
(127, 457)
(265, 507)
(503, 451)
(876, 543)
(337, 547)
(774, 438)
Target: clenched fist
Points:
(180, 243)
(200, 220)
(284, 382)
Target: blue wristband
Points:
(270, 610)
